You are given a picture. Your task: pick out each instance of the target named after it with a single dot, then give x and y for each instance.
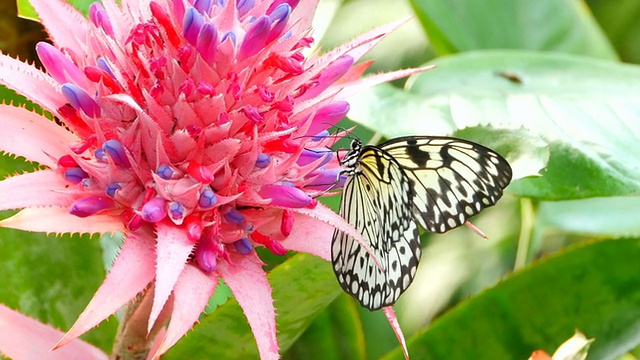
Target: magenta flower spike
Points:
(188, 127)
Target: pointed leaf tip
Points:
(393, 321)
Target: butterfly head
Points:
(351, 157)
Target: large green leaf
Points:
(593, 288)
(335, 334)
(587, 111)
(303, 286)
(619, 20)
(550, 25)
(605, 216)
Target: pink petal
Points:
(39, 188)
(326, 216)
(70, 33)
(25, 133)
(132, 271)
(249, 285)
(30, 82)
(22, 337)
(173, 249)
(393, 321)
(58, 220)
(191, 295)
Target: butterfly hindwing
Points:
(452, 179)
(377, 201)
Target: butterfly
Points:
(436, 182)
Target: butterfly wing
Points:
(377, 201)
(452, 179)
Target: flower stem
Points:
(133, 342)
(527, 216)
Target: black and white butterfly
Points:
(437, 182)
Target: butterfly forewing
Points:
(377, 201)
(452, 179)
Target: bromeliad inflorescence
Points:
(191, 127)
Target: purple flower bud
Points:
(229, 35)
(102, 64)
(207, 43)
(255, 38)
(253, 114)
(243, 246)
(247, 226)
(244, 6)
(321, 135)
(99, 18)
(326, 179)
(279, 17)
(60, 67)
(329, 75)
(263, 161)
(154, 210)
(101, 156)
(168, 172)
(116, 152)
(203, 6)
(328, 115)
(75, 175)
(191, 25)
(90, 205)
(177, 212)
(112, 189)
(206, 255)
(310, 155)
(276, 3)
(80, 100)
(232, 216)
(286, 196)
(208, 199)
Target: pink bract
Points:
(187, 127)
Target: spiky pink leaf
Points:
(355, 48)
(25, 133)
(30, 82)
(307, 235)
(371, 81)
(22, 337)
(58, 220)
(249, 285)
(70, 33)
(132, 270)
(393, 321)
(190, 296)
(172, 250)
(39, 188)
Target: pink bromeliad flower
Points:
(198, 129)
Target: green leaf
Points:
(585, 109)
(607, 216)
(592, 288)
(550, 25)
(619, 20)
(303, 287)
(335, 334)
